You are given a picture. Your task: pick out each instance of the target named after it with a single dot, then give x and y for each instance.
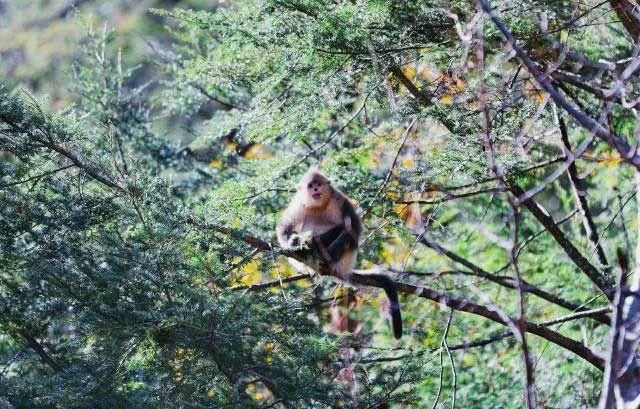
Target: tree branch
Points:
(423, 98)
(580, 191)
(590, 124)
(470, 307)
(602, 282)
(269, 284)
(39, 349)
(508, 281)
(625, 11)
(458, 304)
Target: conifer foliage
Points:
(490, 147)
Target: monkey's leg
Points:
(345, 264)
(323, 244)
(338, 248)
(322, 249)
(344, 240)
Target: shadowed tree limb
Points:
(603, 283)
(625, 11)
(508, 281)
(456, 303)
(579, 191)
(31, 342)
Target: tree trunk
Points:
(621, 388)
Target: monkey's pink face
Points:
(318, 192)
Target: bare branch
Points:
(39, 349)
(602, 282)
(507, 334)
(458, 304)
(617, 142)
(470, 307)
(89, 169)
(269, 284)
(508, 281)
(423, 98)
(626, 12)
(40, 176)
(407, 132)
(580, 191)
(451, 196)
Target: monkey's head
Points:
(315, 189)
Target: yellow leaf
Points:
(409, 71)
(248, 274)
(400, 208)
(611, 162)
(257, 151)
(393, 195)
(408, 162)
(446, 99)
(210, 393)
(216, 163)
(609, 159)
(457, 86)
(564, 36)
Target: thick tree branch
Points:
(455, 303)
(562, 77)
(39, 349)
(507, 334)
(467, 306)
(625, 11)
(508, 281)
(602, 282)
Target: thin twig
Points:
(407, 132)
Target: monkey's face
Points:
(317, 192)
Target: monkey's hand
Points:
(301, 241)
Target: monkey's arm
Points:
(284, 230)
(323, 244)
(288, 232)
(343, 238)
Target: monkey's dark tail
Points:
(394, 306)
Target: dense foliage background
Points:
(148, 148)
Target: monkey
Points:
(323, 219)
